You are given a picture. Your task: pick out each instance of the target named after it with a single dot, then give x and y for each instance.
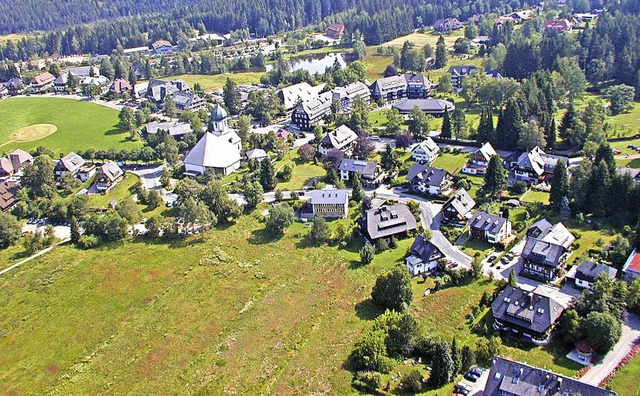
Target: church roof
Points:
(218, 113)
(213, 151)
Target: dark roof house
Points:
(458, 208)
(387, 221)
(588, 272)
(8, 193)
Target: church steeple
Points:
(219, 122)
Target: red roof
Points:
(283, 134)
(562, 25)
(44, 78)
(120, 85)
(336, 29)
(633, 263)
(8, 192)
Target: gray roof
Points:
(424, 249)
(461, 201)
(387, 221)
(173, 128)
(589, 271)
(367, 168)
(432, 106)
(256, 154)
(213, 151)
(339, 138)
(428, 175)
(542, 252)
(633, 173)
(111, 171)
(319, 105)
(428, 145)
(70, 162)
(487, 222)
(527, 310)
(351, 91)
(298, 92)
(218, 113)
(329, 196)
(184, 100)
(520, 379)
(556, 234)
(461, 70)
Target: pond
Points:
(314, 63)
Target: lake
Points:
(314, 63)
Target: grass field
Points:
(625, 382)
(634, 163)
(452, 163)
(301, 175)
(533, 196)
(80, 125)
(213, 82)
(119, 193)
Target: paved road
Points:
(149, 175)
(630, 337)
(430, 216)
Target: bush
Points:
(88, 241)
(367, 380)
(382, 245)
(519, 187)
(412, 382)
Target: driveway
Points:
(430, 216)
(630, 337)
(149, 175)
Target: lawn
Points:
(450, 162)
(80, 125)
(301, 175)
(534, 196)
(634, 163)
(625, 382)
(119, 193)
(214, 82)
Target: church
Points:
(218, 150)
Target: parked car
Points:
(504, 260)
(471, 377)
(616, 151)
(492, 258)
(462, 388)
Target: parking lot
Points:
(61, 229)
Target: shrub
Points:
(367, 380)
(519, 187)
(413, 382)
(88, 241)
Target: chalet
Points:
(162, 47)
(634, 174)
(60, 84)
(431, 106)
(584, 275)
(405, 86)
(42, 82)
(330, 203)
(335, 31)
(341, 138)
(423, 257)
(8, 195)
(176, 129)
(371, 172)
(447, 25)
(70, 163)
(522, 16)
(257, 154)
(546, 249)
(310, 113)
(458, 73)
(347, 95)
(387, 222)
(489, 228)
(631, 268)
(563, 25)
(299, 93)
(86, 172)
(101, 82)
(429, 180)
(478, 164)
(503, 20)
(535, 166)
(457, 210)
(526, 313)
(14, 162)
(15, 86)
(425, 152)
(83, 71)
(109, 176)
(144, 50)
(508, 377)
(189, 101)
(120, 86)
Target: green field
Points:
(452, 163)
(301, 175)
(81, 125)
(625, 382)
(213, 82)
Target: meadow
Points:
(80, 125)
(211, 83)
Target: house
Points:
(405, 86)
(431, 106)
(561, 26)
(423, 257)
(8, 195)
(309, 113)
(298, 93)
(429, 180)
(330, 203)
(478, 164)
(86, 172)
(522, 16)
(584, 275)
(489, 228)
(341, 138)
(504, 20)
(526, 313)
(188, 101)
(162, 47)
(120, 86)
(42, 82)
(109, 176)
(546, 249)
(283, 134)
(257, 154)
(144, 50)
(101, 82)
(508, 377)
(158, 90)
(13, 162)
(426, 151)
(387, 222)
(634, 174)
(15, 86)
(70, 163)
(347, 95)
(334, 31)
(631, 268)
(458, 73)
(4, 91)
(535, 166)
(176, 129)
(218, 150)
(447, 25)
(371, 172)
(60, 83)
(83, 71)
(458, 208)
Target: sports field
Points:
(62, 125)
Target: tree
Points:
(600, 189)
(244, 127)
(154, 199)
(485, 126)
(468, 358)
(602, 330)
(459, 124)
(75, 230)
(509, 126)
(531, 136)
(391, 70)
(320, 232)
(570, 326)
(388, 158)
(128, 210)
(195, 212)
(513, 281)
(404, 140)
(620, 96)
(217, 199)
(68, 182)
(456, 356)
(394, 121)
(442, 366)
(559, 185)
(127, 119)
(393, 290)
(605, 154)
(418, 123)
(573, 77)
(170, 109)
(495, 180)
(569, 121)
(252, 193)
(306, 152)
(442, 54)
(367, 253)
(280, 218)
(9, 230)
(155, 225)
(267, 175)
(39, 178)
(363, 146)
(357, 192)
(445, 132)
(445, 85)
(231, 96)
(370, 353)
(476, 268)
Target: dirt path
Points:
(40, 253)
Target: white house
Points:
(257, 154)
(341, 138)
(478, 164)
(71, 163)
(585, 274)
(330, 203)
(429, 180)
(489, 228)
(426, 151)
(424, 257)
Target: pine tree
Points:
(559, 185)
(446, 126)
(509, 126)
(569, 122)
(485, 127)
(550, 134)
(605, 154)
(267, 175)
(600, 181)
(231, 96)
(442, 366)
(389, 160)
(456, 357)
(357, 192)
(442, 54)
(75, 230)
(468, 358)
(495, 180)
(513, 281)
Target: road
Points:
(432, 222)
(630, 337)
